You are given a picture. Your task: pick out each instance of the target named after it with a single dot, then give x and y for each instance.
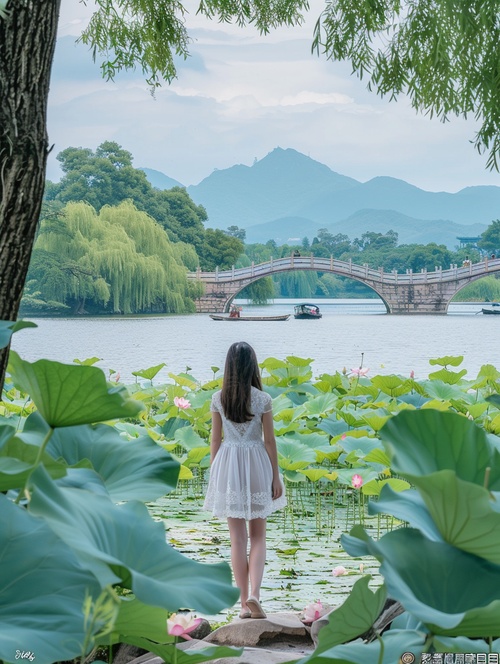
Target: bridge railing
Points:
(348, 268)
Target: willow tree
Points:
(121, 256)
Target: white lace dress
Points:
(241, 474)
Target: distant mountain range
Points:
(289, 195)
(159, 179)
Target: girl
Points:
(245, 484)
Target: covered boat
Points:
(306, 310)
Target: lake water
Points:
(390, 344)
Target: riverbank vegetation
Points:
(357, 452)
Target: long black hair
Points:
(240, 373)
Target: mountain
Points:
(159, 180)
(289, 185)
(410, 230)
(276, 186)
(285, 230)
(468, 206)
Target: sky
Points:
(238, 97)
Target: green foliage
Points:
(121, 257)
(64, 541)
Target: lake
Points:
(348, 329)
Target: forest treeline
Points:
(109, 242)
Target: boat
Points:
(306, 310)
(492, 311)
(236, 318)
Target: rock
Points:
(277, 627)
(126, 653)
(202, 631)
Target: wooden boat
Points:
(237, 318)
(306, 310)
(491, 311)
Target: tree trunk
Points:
(27, 42)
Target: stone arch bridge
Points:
(409, 293)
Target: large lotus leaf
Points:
(441, 391)
(374, 487)
(426, 441)
(408, 506)
(150, 372)
(314, 474)
(461, 645)
(354, 617)
(345, 475)
(131, 469)
(68, 395)
(333, 426)
(447, 376)
(436, 582)
(126, 540)
(314, 440)
(43, 589)
(171, 426)
(360, 445)
(18, 459)
(395, 643)
(291, 453)
(451, 360)
(320, 405)
(189, 439)
(392, 385)
(8, 327)
(464, 513)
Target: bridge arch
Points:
(255, 279)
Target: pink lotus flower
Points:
(412, 374)
(339, 571)
(360, 372)
(117, 378)
(313, 611)
(356, 481)
(343, 436)
(180, 624)
(180, 402)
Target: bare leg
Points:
(257, 558)
(239, 560)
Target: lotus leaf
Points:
(374, 487)
(90, 361)
(440, 390)
(416, 572)
(425, 441)
(137, 469)
(314, 474)
(8, 327)
(189, 439)
(452, 360)
(122, 542)
(464, 513)
(447, 376)
(408, 506)
(43, 589)
(354, 617)
(68, 395)
(299, 361)
(395, 643)
(149, 373)
(333, 426)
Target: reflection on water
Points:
(390, 344)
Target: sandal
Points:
(255, 608)
(245, 613)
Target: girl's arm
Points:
(270, 443)
(216, 438)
